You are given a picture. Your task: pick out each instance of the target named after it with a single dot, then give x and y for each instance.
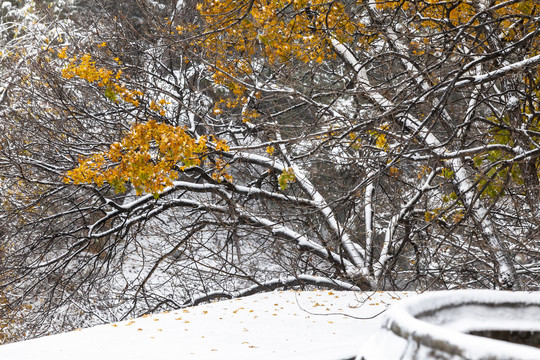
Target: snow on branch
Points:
(490, 76)
(273, 285)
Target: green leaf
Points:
(110, 94)
(285, 178)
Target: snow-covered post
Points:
(459, 325)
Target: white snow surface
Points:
(441, 320)
(313, 325)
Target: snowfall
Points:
(313, 325)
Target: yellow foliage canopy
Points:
(238, 32)
(235, 36)
(149, 157)
(151, 154)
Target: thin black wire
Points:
(337, 313)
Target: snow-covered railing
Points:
(441, 325)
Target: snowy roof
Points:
(277, 325)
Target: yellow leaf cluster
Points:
(159, 106)
(220, 174)
(380, 139)
(149, 157)
(433, 11)
(436, 13)
(62, 53)
(355, 141)
(85, 68)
